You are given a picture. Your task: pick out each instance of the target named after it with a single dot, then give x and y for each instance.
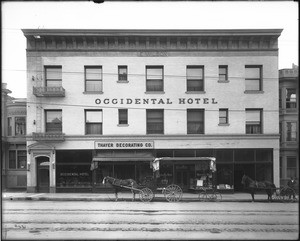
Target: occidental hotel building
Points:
(107, 102)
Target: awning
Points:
(121, 159)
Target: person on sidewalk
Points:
(292, 184)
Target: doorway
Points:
(43, 181)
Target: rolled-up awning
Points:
(121, 159)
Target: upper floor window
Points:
(223, 73)
(195, 78)
(9, 126)
(253, 121)
(93, 78)
(155, 121)
(93, 122)
(154, 78)
(122, 73)
(291, 99)
(20, 126)
(253, 77)
(53, 76)
(223, 116)
(291, 163)
(123, 116)
(291, 131)
(195, 121)
(53, 120)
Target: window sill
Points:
(123, 81)
(223, 81)
(254, 92)
(154, 92)
(195, 92)
(227, 124)
(92, 92)
(123, 125)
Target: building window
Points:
(253, 121)
(223, 73)
(291, 166)
(291, 131)
(195, 121)
(9, 126)
(291, 99)
(20, 126)
(155, 121)
(154, 78)
(122, 73)
(21, 161)
(12, 159)
(123, 116)
(280, 99)
(253, 78)
(53, 76)
(93, 122)
(53, 120)
(223, 116)
(17, 159)
(280, 167)
(93, 78)
(195, 78)
(280, 132)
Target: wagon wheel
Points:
(146, 195)
(286, 194)
(202, 196)
(173, 193)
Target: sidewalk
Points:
(187, 197)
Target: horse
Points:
(118, 183)
(253, 185)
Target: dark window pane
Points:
(94, 128)
(244, 155)
(264, 155)
(123, 116)
(224, 155)
(195, 122)
(155, 122)
(22, 157)
(12, 159)
(20, 125)
(53, 121)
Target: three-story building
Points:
(119, 98)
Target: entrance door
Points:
(182, 179)
(43, 182)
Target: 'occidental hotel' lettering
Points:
(155, 101)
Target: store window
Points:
(123, 116)
(223, 116)
(264, 155)
(244, 155)
(20, 126)
(225, 178)
(53, 76)
(291, 166)
(291, 99)
(93, 122)
(253, 121)
(155, 121)
(291, 131)
(223, 73)
(253, 78)
(53, 120)
(154, 78)
(195, 121)
(264, 172)
(9, 126)
(195, 78)
(93, 78)
(122, 73)
(224, 155)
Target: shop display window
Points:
(225, 176)
(203, 174)
(73, 176)
(165, 175)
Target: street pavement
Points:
(125, 196)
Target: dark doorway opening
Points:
(43, 182)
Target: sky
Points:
(139, 15)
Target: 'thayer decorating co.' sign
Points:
(155, 101)
(124, 145)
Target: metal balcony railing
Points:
(58, 91)
(48, 136)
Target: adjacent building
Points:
(289, 122)
(120, 98)
(13, 148)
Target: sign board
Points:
(124, 144)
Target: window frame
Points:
(158, 80)
(122, 75)
(226, 73)
(20, 122)
(260, 121)
(61, 123)
(260, 79)
(161, 121)
(288, 137)
(289, 168)
(201, 80)
(46, 67)
(125, 113)
(201, 122)
(85, 121)
(226, 116)
(16, 159)
(10, 126)
(93, 80)
(289, 104)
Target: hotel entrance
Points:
(43, 181)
